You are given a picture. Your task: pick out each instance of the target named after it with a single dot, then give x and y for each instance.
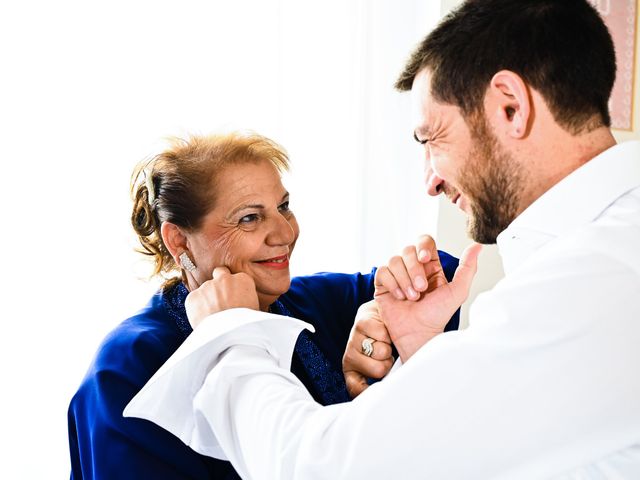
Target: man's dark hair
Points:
(561, 48)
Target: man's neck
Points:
(560, 155)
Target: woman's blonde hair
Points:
(179, 185)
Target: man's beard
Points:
(492, 182)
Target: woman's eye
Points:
(252, 217)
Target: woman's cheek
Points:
(232, 248)
(218, 248)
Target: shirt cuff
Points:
(167, 398)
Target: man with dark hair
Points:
(545, 42)
(545, 383)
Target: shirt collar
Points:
(574, 201)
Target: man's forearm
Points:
(257, 417)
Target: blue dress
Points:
(105, 445)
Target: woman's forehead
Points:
(245, 181)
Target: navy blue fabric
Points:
(104, 445)
(329, 301)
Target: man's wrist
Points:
(410, 344)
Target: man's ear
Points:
(174, 239)
(510, 103)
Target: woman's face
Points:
(250, 230)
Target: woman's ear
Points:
(174, 239)
(510, 103)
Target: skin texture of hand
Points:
(415, 271)
(356, 366)
(412, 323)
(224, 291)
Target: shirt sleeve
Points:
(519, 393)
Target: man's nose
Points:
(433, 181)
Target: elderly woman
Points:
(201, 204)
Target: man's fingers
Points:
(426, 248)
(399, 271)
(415, 269)
(465, 272)
(386, 282)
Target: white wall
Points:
(88, 88)
(349, 132)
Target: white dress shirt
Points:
(544, 383)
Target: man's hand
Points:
(357, 366)
(413, 323)
(224, 291)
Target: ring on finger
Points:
(367, 346)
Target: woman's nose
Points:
(282, 232)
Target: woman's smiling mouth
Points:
(279, 262)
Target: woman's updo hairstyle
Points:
(179, 185)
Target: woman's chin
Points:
(267, 294)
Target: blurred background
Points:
(89, 88)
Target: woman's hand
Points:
(224, 291)
(406, 277)
(357, 366)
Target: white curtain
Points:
(357, 178)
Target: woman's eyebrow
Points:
(246, 206)
(256, 206)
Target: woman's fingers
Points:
(220, 272)
(356, 351)
(224, 291)
(356, 378)
(368, 353)
(356, 383)
(371, 368)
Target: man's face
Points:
(465, 161)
